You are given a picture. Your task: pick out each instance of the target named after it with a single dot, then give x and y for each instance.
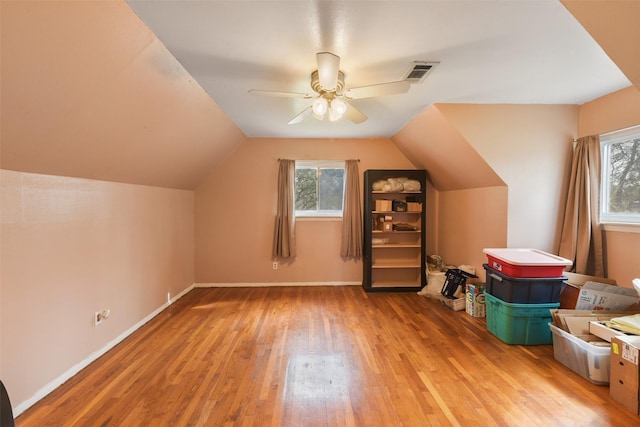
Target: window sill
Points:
(318, 218)
(621, 227)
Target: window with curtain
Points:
(620, 176)
(319, 188)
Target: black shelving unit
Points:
(394, 250)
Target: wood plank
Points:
(322, 356)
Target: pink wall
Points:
(618, 110)
(71, 247)
(511, 178)
(236, 205)
(529, 147)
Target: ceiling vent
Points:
(419, 70)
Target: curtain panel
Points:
(284, 239)
(581, 237)
(352, 214)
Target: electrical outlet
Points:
(275, 265)
(99, 316)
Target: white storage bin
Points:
(588, 360)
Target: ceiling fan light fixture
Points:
(319, 108)
(337, 110)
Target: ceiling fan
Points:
(331, 96)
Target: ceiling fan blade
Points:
(354, 114)
(328, 67)
(300, 116)
(381, 89)
(279, 94)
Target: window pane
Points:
(306, 189)
(620, 201)
(319, 188)
(331, 186)
(623, 187)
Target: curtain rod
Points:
(613, 131)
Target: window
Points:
(620, 176)
(319, 188)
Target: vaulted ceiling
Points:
(91, 89)
(513, 52)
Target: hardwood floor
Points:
(323, 356)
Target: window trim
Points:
(607, 218)
(321, 215)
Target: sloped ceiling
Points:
(439, 148)
(615, 25)
(489, 51)
(89, 91)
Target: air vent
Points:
(418, 71)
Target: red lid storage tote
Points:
(525, 262)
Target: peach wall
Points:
(469, 221)
(529, 147)
(618, 110)
(235, 212)
(71, 247)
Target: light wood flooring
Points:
(323, 356)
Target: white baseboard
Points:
(44, 391)
(274, 284)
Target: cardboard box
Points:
(625, 375)
(414, 207)
(569, 295)
(476, 304)
(597, 296)
(383, 205)
(600, 296)
(386, 223)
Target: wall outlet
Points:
(101, 315)
(275, 265)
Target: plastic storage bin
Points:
(526, 262)
(524, 324)
(538, 290)
(588, 360)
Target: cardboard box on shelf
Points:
(414, 207)
(625, 375)
(383, 205)
(386, 223)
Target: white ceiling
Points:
(508, 51)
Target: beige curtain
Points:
(581, 239)
(352, 215)
(284, 239)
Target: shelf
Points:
(398, 264)
(396, 192)
(394, 231)
(396, 245)
(412, 264)
(380, 284)
(396, 212)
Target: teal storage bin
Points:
(523, 324)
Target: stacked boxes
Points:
(523, 286)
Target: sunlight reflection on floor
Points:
(316, 377)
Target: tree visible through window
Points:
(319, 188)
(621, 176)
